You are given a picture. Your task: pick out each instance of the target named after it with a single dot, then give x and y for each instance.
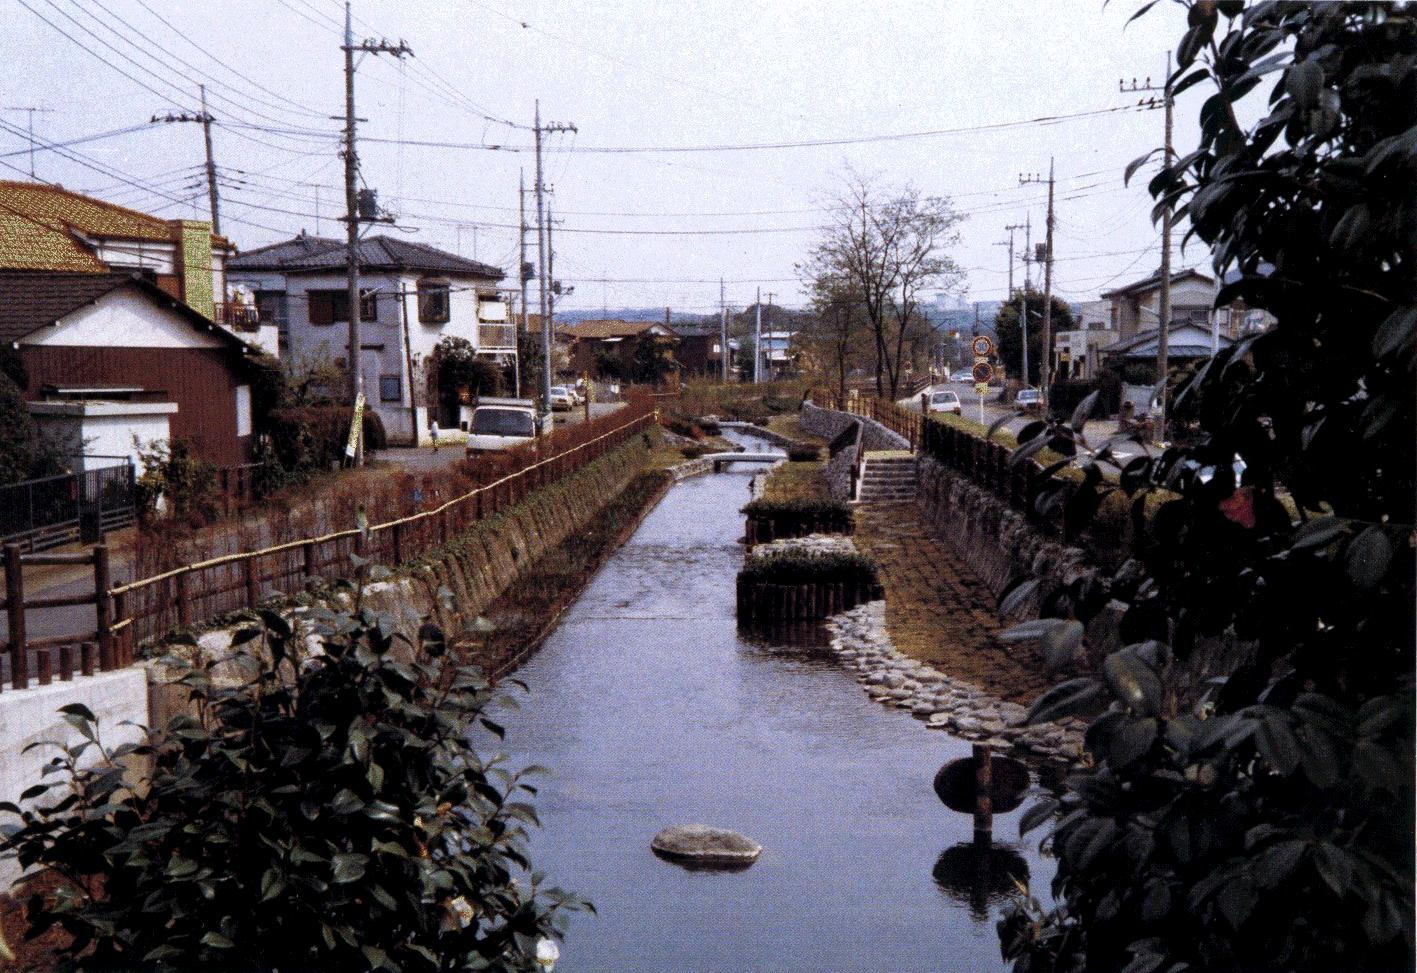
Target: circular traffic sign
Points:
(983, 346)
(983, 372)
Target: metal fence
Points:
(54, 510)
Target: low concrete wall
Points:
(31, 716)
(768, 435)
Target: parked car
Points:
(1028, 400)
(498, 424)
(562, 399)
(944, 402)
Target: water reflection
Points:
(980, 877)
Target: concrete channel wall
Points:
(829, 423)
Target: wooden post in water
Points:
(983, 796)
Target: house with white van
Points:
(413, 296)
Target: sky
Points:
(633, 228)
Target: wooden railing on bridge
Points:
(192, 594)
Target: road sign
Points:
(981, 388)
(983, 346)
(983, 372)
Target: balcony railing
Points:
(238, 317)
(497, 337)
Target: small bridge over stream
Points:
(720, 460)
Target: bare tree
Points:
(882, 248)
(836, 337)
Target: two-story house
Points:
(413, 296)
(1136, 308)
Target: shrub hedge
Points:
(785, 567)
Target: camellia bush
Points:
(1264, 822)
(329, 811)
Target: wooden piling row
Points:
(763, 602)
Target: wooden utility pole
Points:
(722, 333)
(1163, 316)
(521, 266)
(1010, 244)
(1023, 295)
(758, 337)
(1045, 363)
(352, 216)
(205, 119)
(542, 245)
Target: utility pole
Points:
(542, 235)
(1045, 364)
(1163, 322)
(722, 333)
(30, 109)
(203, 117)
(1023, 295)
(1010, 244)
(758, 337)
(521, 245)
(352, 215)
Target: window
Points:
(433, 300)
(243, 410)
(272, 307)
(327, 307)
(390, 388)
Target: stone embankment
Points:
(860, 642)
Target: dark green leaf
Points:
(1369, 555)
(1075, 697)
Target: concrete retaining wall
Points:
(30, 716)
(829, 423)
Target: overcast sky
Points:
(628, 75)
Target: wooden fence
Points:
(191, 594)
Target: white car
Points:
(562, 399)
(944, 402)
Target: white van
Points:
(497, 424)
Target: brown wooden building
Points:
(118, 339)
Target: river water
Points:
(651, 709)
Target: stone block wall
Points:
(829, 423)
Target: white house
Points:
(413, 297)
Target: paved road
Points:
(424, 460)
(1097, 430)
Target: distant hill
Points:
(632, 314)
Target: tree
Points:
(651, 359)
(836, 339)
(882, 249)
(330, 813)
(1257, 814)
(1006, 327)
(460, 371)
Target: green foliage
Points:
(331, 812)
(1006, 326)
(608, 364)
(178, 481)
(461, 370)
(651, 361)
(1267, 824)
(24, 452)
(306, 439)
(795, 566)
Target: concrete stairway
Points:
(887, 476)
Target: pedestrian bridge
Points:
(720, 460)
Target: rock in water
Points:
(699, 846)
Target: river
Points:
(651, 709)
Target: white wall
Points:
(30, 716)
(83, 428)
(125, 319)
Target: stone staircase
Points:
(887, 476)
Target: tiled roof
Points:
(608, 329)
(307, 253)
(32, 299)
(1147, 283)
(38, 223)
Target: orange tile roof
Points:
(38, 223)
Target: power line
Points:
(1043, 120)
